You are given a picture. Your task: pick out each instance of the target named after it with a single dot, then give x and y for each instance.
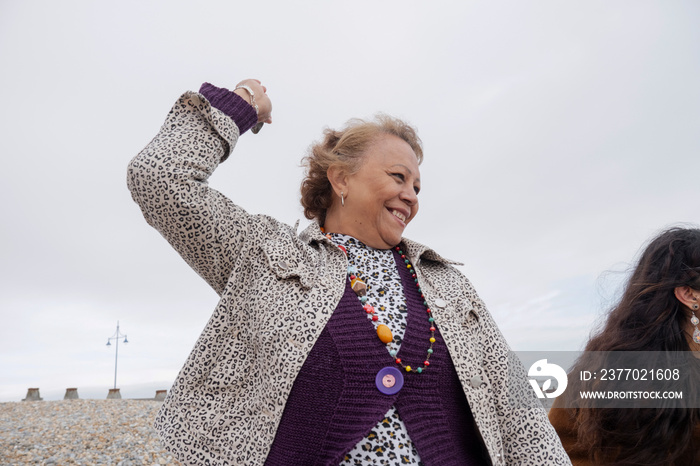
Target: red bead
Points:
(428, 311)
(403, 256)
(426, 363)
(352, 277)
(398, 360)
(432, 329)
(375, 318)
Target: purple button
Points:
(389, 380)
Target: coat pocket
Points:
(286, 259)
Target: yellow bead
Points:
(408, 368)
(384, 334)
(432, 340)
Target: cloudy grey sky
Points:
(559, 137)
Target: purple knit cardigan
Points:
(334, 402)
(232, 105)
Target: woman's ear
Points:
(338, 179)
(687, 296)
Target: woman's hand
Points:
(261, 98)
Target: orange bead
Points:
(384, 334)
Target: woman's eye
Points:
(399, 176)
(416, 189)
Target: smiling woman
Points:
(345, 344)
(365, 180)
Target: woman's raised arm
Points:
(168, 178)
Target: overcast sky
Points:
(559, 137)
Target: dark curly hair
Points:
(648, 317)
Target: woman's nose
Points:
(409, 195)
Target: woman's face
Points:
(381, 198)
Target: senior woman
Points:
(345, 343)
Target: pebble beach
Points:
(86, 432)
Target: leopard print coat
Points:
(278, 289)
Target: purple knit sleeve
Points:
(233, 105)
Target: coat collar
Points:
(414, 250)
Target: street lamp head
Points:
(108, 343)
(125, 340)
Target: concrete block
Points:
(160, 395)
(71, 394)
(33, 395)
(114, 394)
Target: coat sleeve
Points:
(168, 180)
(528, 436)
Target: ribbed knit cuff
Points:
(233, 105)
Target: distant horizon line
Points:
(140, 391)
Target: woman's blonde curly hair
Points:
(345, 148)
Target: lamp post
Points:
(116, 337)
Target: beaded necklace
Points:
(383, 332)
